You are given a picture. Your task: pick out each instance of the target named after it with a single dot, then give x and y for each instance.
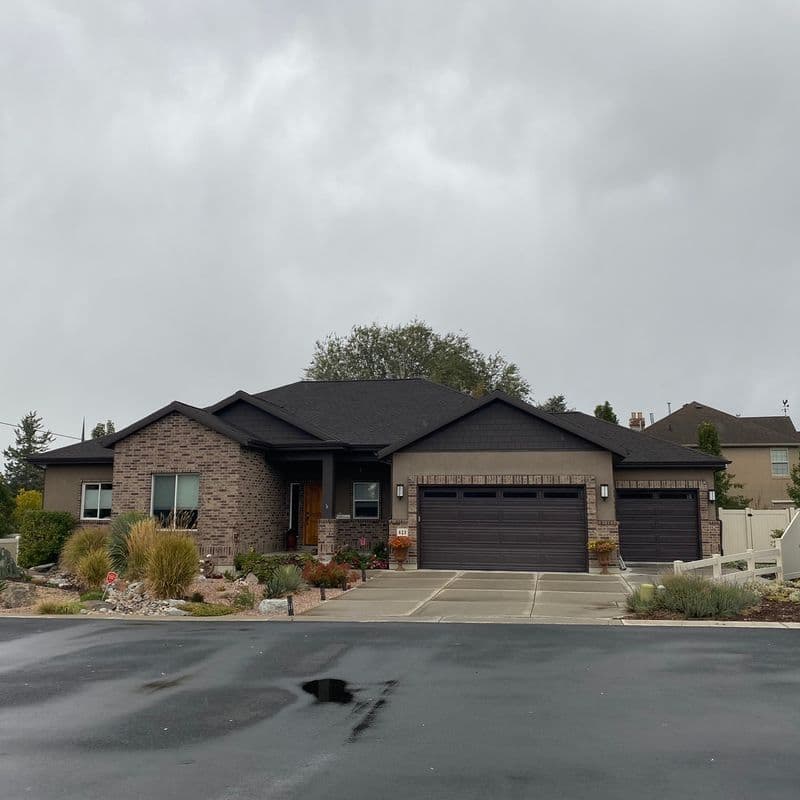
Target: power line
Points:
(60, 435)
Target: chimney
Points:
(636, 422)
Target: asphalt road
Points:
(95, 709)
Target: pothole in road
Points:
(329, 690)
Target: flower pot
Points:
(604, 559)
(400, 555)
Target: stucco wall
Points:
(62, 485)
(596, 463)
(752, 466)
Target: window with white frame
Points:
(366, 500)
(96, 501)
(175, 499)
(780, 462)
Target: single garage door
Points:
(537, 528)
(658, 525)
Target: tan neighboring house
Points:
(761, 450)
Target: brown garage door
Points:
(658, 525)
(537, 528)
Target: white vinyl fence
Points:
(782, 559)
(12, 545)
(751, 529)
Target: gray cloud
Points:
(191, 193)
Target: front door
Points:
(312, 511)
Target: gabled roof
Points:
(92, 451)
(191, 412)
(372, 413)
(681, 427)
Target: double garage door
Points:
(658, 525)
(540, 528)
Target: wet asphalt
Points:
(99, 709)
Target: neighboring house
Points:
(492, 483)
(761, 450)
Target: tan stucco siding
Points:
(62, 485)
(597, 463)
(752, 467)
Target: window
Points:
(175, 499)
(366, 500)
(96, 501)
(780, 462)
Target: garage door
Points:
(658, 525)
(541, 528)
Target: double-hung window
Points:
(175, 499)
(96, 501)
(780, 462)
(366, 500)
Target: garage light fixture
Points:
(604, 491)
(712, 496)
(400, 490)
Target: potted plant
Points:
(400, 545)
(603, 548)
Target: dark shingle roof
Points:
(89, 452)
(681, 427)
(374, 413)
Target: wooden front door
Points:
(312, 511)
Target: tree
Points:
(793, 489)
(605, 411)
(26, 500)
(414, 350)
(30, 437)
(724, 483)
(557, 404)
(103, 429)
(6, 510)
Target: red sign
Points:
(111, 577)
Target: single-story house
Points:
(761, 451)
(489, 483)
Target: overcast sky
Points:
(192, 193)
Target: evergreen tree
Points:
(605, 411)
(6, 510)
(793, 489)
(557, 404)
(30, 437)
(724, 483)
(103, 429)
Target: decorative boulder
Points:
(16, 595)
(272, 606)
(8, 567)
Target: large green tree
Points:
(30, 437)
(606, 411)
(103, 429)
(414, 350)
(6, 509)
(557, 404)
(724, 481)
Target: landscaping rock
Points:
(272, 606)
(16, 595)
(175, 603)
(8, 567)
(251, 580)
(174, 611)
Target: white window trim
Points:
(98, 484)
(174, 493)
(353, 492)
(772, 462)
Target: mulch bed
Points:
(772, 611)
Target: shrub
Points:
(695, 597)
(244, 599)
(58, 607)
(93, 567)
(381, 550)
(207, 609)
(26, 500)
(287, 579)
(329, 576)
(42, 535)
(782, 592)
(80, 543)
(3, 585)
(92, 594)
(262, 565)
(142, 538)
(118, 533)
(229, 576)
(171, 564)
(196, 597)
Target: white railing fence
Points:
(782, 559)
(750, 528)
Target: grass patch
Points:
(92, 594)
(207, 609)
(694, 597)
(58, 607)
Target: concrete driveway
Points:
(442, 596)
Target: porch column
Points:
(328, 483)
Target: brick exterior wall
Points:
(710, 526)
(336, 534)
(243, 500)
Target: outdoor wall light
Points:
(400, 490)
(712, 496)
(604, 491)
